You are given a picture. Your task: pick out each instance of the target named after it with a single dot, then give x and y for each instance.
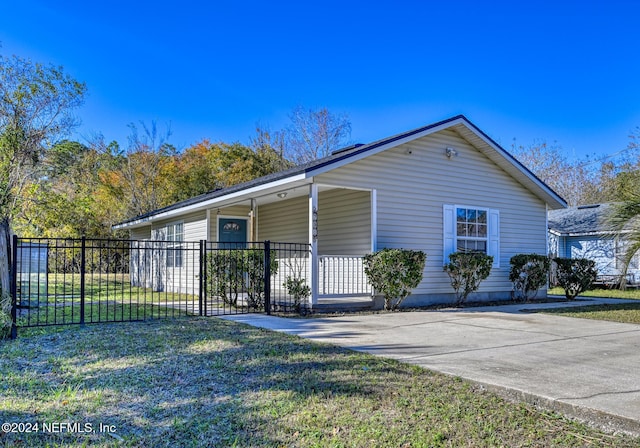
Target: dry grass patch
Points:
(209, 382)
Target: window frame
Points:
(174, 258)
(467, 223)
(451, 237)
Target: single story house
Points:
(440, 188)
(583, 232)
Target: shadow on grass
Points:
(169, 383)
(210, 382)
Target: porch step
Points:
(342, 304)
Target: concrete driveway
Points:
(584, 368)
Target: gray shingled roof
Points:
(299, 169)
(581, 220)
(336, 156)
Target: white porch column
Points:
(253, 232)
(374, 220)
(208, 231)
(313, 241)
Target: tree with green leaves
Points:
(624, 216)
(36, 110)
(207, 166)
(137, 178)
(65, 201)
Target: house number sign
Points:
(314, 224)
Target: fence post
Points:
(83, 267)
(267, 276)
(202, 279)
(14, 287)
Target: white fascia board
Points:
(241, 194)
(369, 152)
(603, 234)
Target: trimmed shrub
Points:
(529, 273)
(466, 271)
(575, 275)
(394, 273)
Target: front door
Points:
(232, 232)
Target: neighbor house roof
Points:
(580, 220)
(338, 158)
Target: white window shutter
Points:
(494, 237)
(448, 231)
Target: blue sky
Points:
(563, 71)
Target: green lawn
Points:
(108, 298)
(208, 382)
(610, 293)
(625, 312)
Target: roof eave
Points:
(235, 196)
(497, 154)
(521, 173)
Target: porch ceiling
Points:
(292, 192)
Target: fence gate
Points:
(83, 281)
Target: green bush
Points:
(298, 289)
(394, 273)
(529, 273)
(235, 271)
(575, 275)
(296, 284)
(224, 278)
(466, 271)
(254, 268)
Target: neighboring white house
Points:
(582, 232)
(439, 188)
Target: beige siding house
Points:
(440, 188)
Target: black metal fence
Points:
(82, 281)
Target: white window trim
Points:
(173, 243)
(450, 236)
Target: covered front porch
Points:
(337, 224)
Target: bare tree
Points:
(142, 171)
(137, 175)
(571, 180)
(314, 134)
(270, 147)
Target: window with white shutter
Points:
(471, 229)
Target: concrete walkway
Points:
(584, 368)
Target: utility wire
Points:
(603, 158)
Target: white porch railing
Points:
(342, 275)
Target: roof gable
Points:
(344, 156)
